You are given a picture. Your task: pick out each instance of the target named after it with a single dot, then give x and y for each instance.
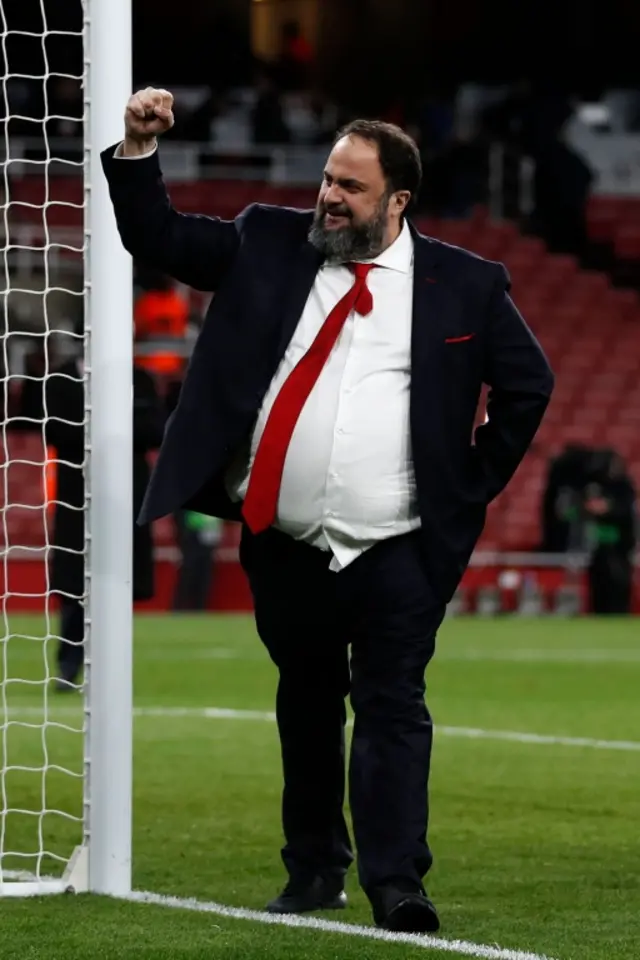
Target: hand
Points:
(149, 114)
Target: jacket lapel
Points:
(435, 305)
(304, 268)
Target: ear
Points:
(400, 201)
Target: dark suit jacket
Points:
(466, 331)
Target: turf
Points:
(536, 845)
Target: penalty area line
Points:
(460, 947)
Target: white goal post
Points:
(65, 758)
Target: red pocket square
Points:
(468, 336)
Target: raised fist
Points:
(149, 114)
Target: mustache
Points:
(336, 211)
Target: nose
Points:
(333, 197)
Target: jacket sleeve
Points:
(520, 384)
(193, 249)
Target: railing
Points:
(291, 164)
(510, 173)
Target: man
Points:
(609, 516)
(561, 510)
(64, 416)
(329, 403)
(198, 536)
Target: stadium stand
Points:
(589, 329)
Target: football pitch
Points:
(535, 800)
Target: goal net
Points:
(57, 746)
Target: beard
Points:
(355, 241)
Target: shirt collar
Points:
(398, 255)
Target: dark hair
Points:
(397, 151)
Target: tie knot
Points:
(361, 270)
(364, 301)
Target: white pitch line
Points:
(586, 657)
(445, 654)
(226, 713)
(540, 739)
(460, 947)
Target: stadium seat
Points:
(626, 241)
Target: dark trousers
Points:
(71, 647)
(381, 606)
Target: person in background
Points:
(161, 319)
(531, 121)
(198, 536)
(65, 436)
(610, 517)
(268, 122)
(294, 65)
(562, 499)
(148, 429)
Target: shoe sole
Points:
(412, 916)
(338, 903)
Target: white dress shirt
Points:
(348, 477)
(118, 154)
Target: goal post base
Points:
(15, 883)
(32, 888)
(76, 876)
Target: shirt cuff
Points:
(142, 156)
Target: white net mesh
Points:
(42, 445)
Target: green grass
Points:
(536, 846)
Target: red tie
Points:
(261, 502)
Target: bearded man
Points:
(329, 406)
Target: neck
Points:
(392, 233)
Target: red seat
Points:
(532, 247)
(625, 302)
(588, 285)
(561, 265)
(503, 231)
(626, 243)
(429, 226)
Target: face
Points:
(357, 216)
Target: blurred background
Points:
(528, 119)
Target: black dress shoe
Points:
(404, 909)
(305, 895)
